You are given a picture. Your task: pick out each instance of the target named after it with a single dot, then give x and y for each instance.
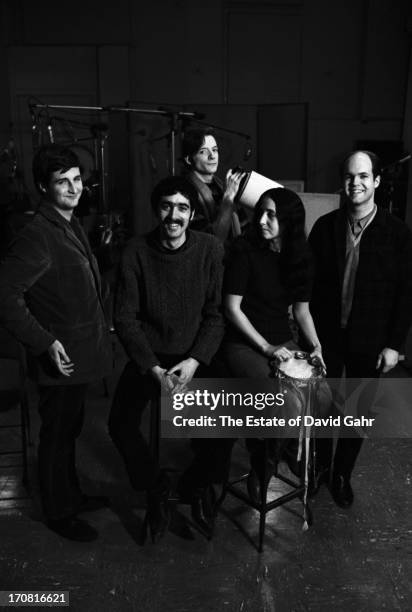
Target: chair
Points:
(13, 393)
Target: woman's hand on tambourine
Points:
(316, 357)
(280, 352)
(233, 178)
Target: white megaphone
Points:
(251, 188)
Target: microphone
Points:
(248, 151)
(50, 130)
(34, 128)
(184, 114)
(153, 164)
(192, 115)
(31, 108)
(199, 116)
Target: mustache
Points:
(170, 222)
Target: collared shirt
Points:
(355, 229)
(358, 225)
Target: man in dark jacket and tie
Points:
(362, 296)
(51, 302)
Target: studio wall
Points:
(346, 61)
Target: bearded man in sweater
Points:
(167, 315)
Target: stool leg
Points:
(262, 525)
(23, 432)
(263, 496)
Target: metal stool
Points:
(264, 507)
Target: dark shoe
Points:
(259, 478)
(341, 491)
(203, 509)
(254, 485)
(158, 511)
(73, 528)
(90, 503)
(321, 477)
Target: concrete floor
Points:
(359, 559)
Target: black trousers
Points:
(357, 366)
(133, 392)
(61, 411)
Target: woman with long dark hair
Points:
(268, 270)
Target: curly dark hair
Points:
(171, 185)
(295, 256)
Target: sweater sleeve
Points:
(211, 329)
(127, 314)
(26, 262)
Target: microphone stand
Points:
(219, 128)
(99, 132)
(222, 129)
(174, 118)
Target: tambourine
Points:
(300, 368)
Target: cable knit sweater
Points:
(168, 302)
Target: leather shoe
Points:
(341, 491)
(73, 528)
(254, 485)
(90, 503)
(158, 510)
(315, 481)
(259, 477)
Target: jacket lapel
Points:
(82, 245)
(340, 241)
(56, 218)
(205, 196)
(92, 259)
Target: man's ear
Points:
(377, 181)
(187, 160)
(42, 188)
(192, 214)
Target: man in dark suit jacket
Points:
(50, 300)
(362, 296)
